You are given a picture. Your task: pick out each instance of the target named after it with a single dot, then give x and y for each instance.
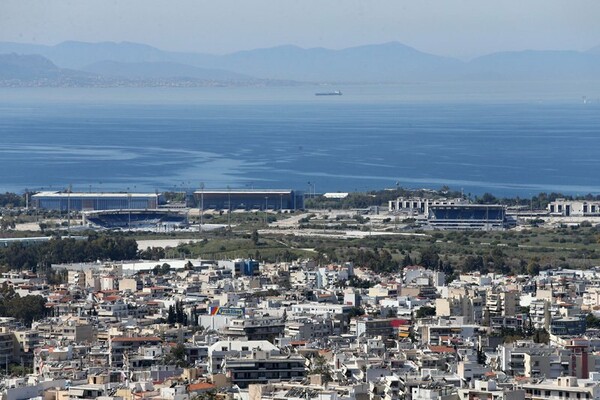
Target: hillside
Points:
(379, 63)
(160, 70)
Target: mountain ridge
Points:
(377, 63)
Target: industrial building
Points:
(65, 201)
(250, 199)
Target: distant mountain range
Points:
(160, 70)
(19, 70)
(107, 63)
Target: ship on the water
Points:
(334, 93)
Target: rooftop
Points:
(92, 195)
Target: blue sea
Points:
(508, 139)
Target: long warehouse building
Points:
(249, 199)
(62, 201)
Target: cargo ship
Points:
(334, 93)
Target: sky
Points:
(458, 28)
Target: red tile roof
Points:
(441, 349)
(136, 339)
(194, 387)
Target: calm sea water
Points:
(504, 139)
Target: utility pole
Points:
(69, 210)
(266, 209)
(129, 208)
(201, 206)
(229, 207)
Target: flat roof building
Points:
(249, 199)
(574, 208)
(63, 201)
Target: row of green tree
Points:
(382, 261)
(377, 260)
(25, 309)
(11, 200)
(176, 315)
(67, 250)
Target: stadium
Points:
(467, 216)
(135, 219)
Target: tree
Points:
(59, 277)
(472, 263)
(592, 321)
(480, 356)
(7, 223)
(430, 257)
(152, 253)
(178, 356)
(25, 309)
(254, 236)
(320, 366)
(533, 268)
(165, 269)
(58, 251)
(541, 336)
(487, 198)
(209, 395)
(406, 261)
(177, 314)
(425, 311)
(356, 312)
(497, 258)
(9, 200)
(171, 318)
(43, 226)
(160, 270)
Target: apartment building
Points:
(263, 367)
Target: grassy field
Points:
(562, 247)
(242, 246)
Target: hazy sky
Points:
(461, 28)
